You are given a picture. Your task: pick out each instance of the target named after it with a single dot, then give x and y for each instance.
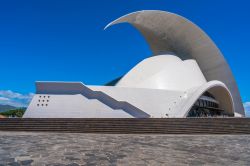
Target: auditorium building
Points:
(186, 76)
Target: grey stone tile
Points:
(24, 148)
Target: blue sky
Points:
(60, 40)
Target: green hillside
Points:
(18, 112)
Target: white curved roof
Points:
(166, 72)
(170, 33)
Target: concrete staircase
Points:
(130, 126)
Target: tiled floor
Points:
(23, 148)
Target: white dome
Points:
(164, 72)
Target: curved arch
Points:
(167, 32)
(217, 89)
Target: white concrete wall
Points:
(70, 106)
(154, 103)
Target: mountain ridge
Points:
(6, 107)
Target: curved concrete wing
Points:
(170, 33)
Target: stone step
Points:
(133, 132)
(131, 126)
(127, 125)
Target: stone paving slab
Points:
(26, 148)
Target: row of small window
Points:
(200, 112)
(43, 100)
(42, 105)
(44, 96)
(203, 103)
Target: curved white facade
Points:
(167, 72)
(186, 77)
(168, 32)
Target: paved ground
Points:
(97, 149)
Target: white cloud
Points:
(4, 99)
(14, 95)
(247, 108)
(8, 97)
